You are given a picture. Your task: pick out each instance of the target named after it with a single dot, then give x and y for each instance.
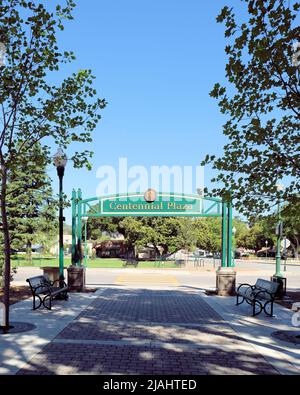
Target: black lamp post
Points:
(60, 162)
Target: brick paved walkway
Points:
(136, 331)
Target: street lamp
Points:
(200, 192)
(85, 219)
(60, 162)
(233, 249)
(266, 248)
(284, 253)
(280, 188)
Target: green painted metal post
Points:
(278, 243)
(74, 212)
(233, 250)
(79, 226)
(85, 243)
(224, 232)
(229, 236)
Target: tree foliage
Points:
(262, 106)
(291, 225)
(166, 234)
(33, 108)
(171, 234)
(32, 213)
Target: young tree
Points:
(32, 108)
(262, 104)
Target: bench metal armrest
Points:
(245, 284)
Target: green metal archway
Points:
(164, 205)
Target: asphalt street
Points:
(204, 277)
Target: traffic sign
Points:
(285, 243)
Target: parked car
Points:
(199, 253)
(244, 254)
(237, 254)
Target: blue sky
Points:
(155, 63)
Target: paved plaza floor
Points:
(129, 328)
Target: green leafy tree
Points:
(257, 235)
(166, 234)
(262, 105)
(264, 229)
(32, 108)
(290, 215)
(291, 225)
(135, 232)
(96, 226)
(175, 233)
(32, 213)
(212, 234)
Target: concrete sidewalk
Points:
(257, 331)
(148, 330)
(17, 349)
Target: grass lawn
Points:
(97, 263)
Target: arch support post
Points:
(74, 218)
(79, 227)
(76, 272)
(226, 275)
(229, 236)
(224, 235)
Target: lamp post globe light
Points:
(280, 189)
(60, 162)
(266, 242)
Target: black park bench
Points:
(261, 295)
(44, 290)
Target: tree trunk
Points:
(29, 251)
(297, 248)
(7, 268)
(157, 251)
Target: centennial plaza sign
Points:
(162, 205)
(150, 204)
